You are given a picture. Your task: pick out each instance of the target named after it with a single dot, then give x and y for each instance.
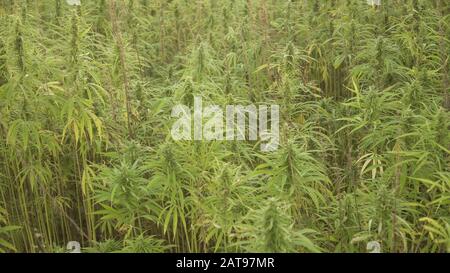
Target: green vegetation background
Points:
(86, 154)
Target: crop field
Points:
(115, 121)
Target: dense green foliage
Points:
(85, 114)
